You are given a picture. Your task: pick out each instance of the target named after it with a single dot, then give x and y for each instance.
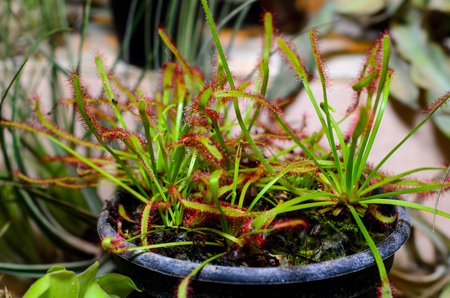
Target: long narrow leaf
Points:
(82, 109)
(60, 237)
(183, 287)
(434, 108)
(386, 290)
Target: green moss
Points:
(328, 237)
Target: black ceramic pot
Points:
(353, 276)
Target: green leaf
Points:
(146, 124)
(116, 284)
(383, 180)
(365, 81)
(87, 277)
(260, 100)
(220, 233)
(431, 113)
(206, 95)
(186, 68)
(107, 85)
(297, 203)
(205, 143)
(386, 290)
(39, 288)
(363, 119)
(56, 268)
(183, 287)
(268, 32)
(168, 74)
(236, 170)
(301, 167)
(405, 204)
(124, 214)
(228, 211)
(94, 291)
(11, 83)
(438, 196)
(293, 59)
(92, 128)
(215, 177)
(429, 67)
(210, 147)
(58, 282)
(361, 125)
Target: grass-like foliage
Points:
(221, 173)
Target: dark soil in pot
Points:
(352, 276)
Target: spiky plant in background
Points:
(192, 171)
(59, 221)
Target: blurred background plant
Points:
(59, 226)
(40, 227)
(421, 33)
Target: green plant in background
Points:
(192, 171)
(420, 51)
(183, 19)
(59, 282)
(25, 20)
(56, 219)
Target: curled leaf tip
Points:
(319, 58)
(292, 59)
(437, 104)
(107, 243)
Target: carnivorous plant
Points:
(215, 160)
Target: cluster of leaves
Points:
(59, 282)
(192, 170)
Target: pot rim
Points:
(262, 275)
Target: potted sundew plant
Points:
(202, 183)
